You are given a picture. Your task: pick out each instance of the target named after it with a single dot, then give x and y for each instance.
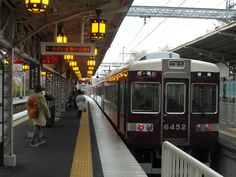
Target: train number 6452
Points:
(178, 127)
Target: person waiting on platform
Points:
(37, 111)
(80, 101)
(71, 102)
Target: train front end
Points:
(175, 100)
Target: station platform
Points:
(227, 136)
(86, 147)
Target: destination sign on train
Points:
(81, 49)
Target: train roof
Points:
(163, 54)
(156, 65)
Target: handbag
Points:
(49, 122)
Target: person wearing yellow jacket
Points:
(40, 120)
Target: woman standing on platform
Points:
(38, 114)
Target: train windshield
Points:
(145, 97)
(175, 98)
(204, 98)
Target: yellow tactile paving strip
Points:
(82, 162)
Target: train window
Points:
(145, 97)
(175, 98)
(204, 98)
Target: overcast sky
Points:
(172, 32)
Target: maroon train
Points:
(156, 100)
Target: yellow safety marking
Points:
(227, 133)
(82, 162)
(234, 129)
(19, 121)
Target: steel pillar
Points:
(9, 156)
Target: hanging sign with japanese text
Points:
(34, 76)
(81, 49)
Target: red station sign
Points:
(50, 59)
(81, 49)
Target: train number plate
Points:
(178, 127)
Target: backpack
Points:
(33, 108)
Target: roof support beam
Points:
(55, 20)
(228, 34)
(216, 56)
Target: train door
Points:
(118, 104)
(102, 96)
(121, 109)
(175, 110)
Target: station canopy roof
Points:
(218, 46)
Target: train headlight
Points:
(198, 127)
(149, 127)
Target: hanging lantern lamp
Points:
(95, 51)
(25, 67)
(43, 73)
(98, 27)
(89, 72)
(68, 57)
(91, 62)
(37, 6)
(72, 63)
(61, 37)
(75, 68)
(90, 68)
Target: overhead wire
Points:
(155, 28)
(183, 27)
(136, 35)
(142, 29)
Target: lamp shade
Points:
(43, 73)
(75, 68)
(95, 51)
(90, 68)
(98, 28)
(61, 38)
(36, 6)
(72, 63)
(91, 62)
(68, 57)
